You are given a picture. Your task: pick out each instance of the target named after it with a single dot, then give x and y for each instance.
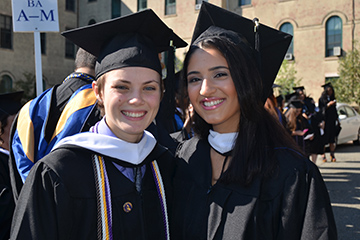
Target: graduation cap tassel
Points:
(168, 102)
(256, 30)
(257, 41)
(257, 45)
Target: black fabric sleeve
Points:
(42, 208)
(306, 203)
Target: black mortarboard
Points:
(273, 43)
(295, 104)
(328, 84)
(132, 40)
(10, 103)
(300, 88)
(275, 85)
(289, 97)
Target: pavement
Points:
(342, 179)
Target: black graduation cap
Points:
(295, 104)
(132, 40)
(275, 85)
(300, 88)
(273, 43)
(328, 84)
(10, 103)
(289, 97)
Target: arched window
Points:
(5, 84)
(333, 36)
(288, 28)
(91, 22)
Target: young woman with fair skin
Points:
(243, 176)
(131, 98)
(115, 181)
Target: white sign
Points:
(35, 15)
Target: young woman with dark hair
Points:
(327, 106)
(243, 176)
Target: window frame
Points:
(115, 8)
(244, 3)
(6, 32)
(291, 46)
(170, 8)
(70, 5)
(329, 46)
(350, 112)
(4, 88)
(140, 3)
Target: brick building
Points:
(323, 31)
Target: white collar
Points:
(133, 153)
(222, 142)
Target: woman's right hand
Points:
(298, 133)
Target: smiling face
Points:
(131, 98)
(211, 90)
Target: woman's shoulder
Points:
(294, 171)
(290, 160)
(66, 155)
(67, 165)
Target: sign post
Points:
(36, 16)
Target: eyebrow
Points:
(210, 69)
(147, 82)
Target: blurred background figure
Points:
(327, 106)
(308, 102)
(314, 119)
(60, 111)
(299, 127)
(280, 103)
(271, 105)
(10, 104)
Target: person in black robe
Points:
(327, 106)
(242, 176)
(46, 113)
(315, 120)
(10, 104)
(300, 129)
(115, 181)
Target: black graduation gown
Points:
(58, 200)
(331, 117)
(294, 204)
(317, 144)
(304, 144)
(7, 204)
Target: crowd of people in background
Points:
(118, 152)
(312, 126)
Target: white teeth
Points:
(212, 103)
(132, 114)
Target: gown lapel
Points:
(229, 205)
